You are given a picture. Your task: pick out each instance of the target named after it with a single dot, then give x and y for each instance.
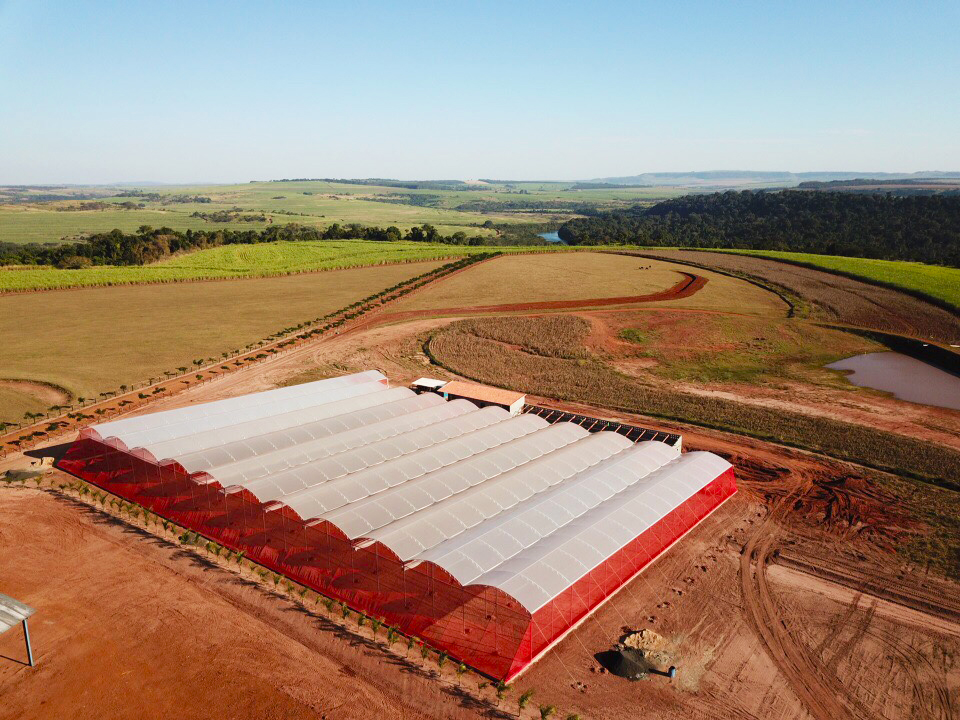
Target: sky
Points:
(105, 92)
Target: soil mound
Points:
(627, 663)
(637, 655)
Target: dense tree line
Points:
(925, 229)
(149, 244)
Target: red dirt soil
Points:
(129, 625)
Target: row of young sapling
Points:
(335, 610)
(333, 321)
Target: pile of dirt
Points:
(646, 641)
(639, 653)
(627, 663)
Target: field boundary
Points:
(918, 294)
(261, 276)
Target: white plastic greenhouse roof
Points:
(511, 502)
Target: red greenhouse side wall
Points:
(480, 625)
(557, 617)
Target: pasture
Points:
(45, 224)
(234, 261)
(311, 203)
(583, 276)
(720, 348)
(91, 340)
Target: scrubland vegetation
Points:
(549, 366)
(717, 348)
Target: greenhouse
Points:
(487, 535)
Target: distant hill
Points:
(758, 178)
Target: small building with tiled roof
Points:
(484, 395)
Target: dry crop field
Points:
(586, 276)
(834, 298)
(92, 340)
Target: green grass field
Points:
(941, 283)
(235, 261)
(43, 225)
(311, 203)
(92, 340)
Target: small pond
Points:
(907, 378)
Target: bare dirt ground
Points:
(124, 617)
(130, 626)
(42, 391)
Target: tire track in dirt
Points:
(820, 692)
(910, 659)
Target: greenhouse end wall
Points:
(480, 625)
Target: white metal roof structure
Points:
(12, 612)
(513, 503)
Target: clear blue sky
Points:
(100, 91)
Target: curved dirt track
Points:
(43, 392)
(690, 285)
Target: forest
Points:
(920, 228)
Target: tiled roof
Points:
(483, 393)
